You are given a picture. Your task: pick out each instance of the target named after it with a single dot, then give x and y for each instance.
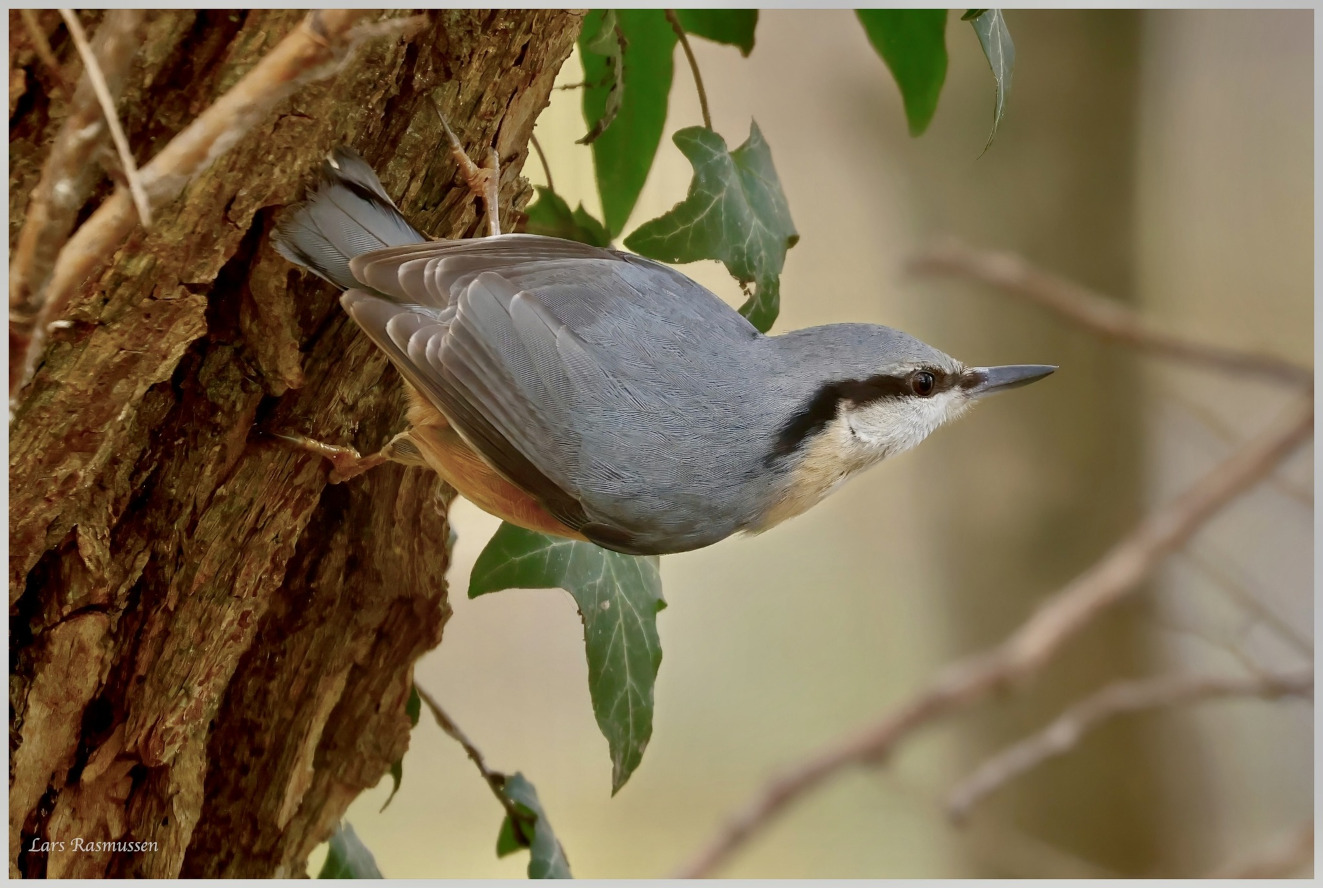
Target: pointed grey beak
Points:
(980, 381)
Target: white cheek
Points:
(887, 429)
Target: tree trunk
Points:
(211, 648)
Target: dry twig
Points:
(107, 101)
(1231, 437)
(999, 845)
(1063, 615)
(67, 178)
(1065, 733)
(1097, 313)
(1251, 603)
(42, 46)
(311, 51)
(495, 779)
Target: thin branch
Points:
(1231, 436)
(42, 46)
(107, 102)
(1285, 857)
(1097, 313)
(495, 779)
(1059, 619)
(311, 51)
(1250, 602)
(1065, 733)
(67, 178)
(693, 64)
(1008, 850)
(546, 167)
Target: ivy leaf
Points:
(609, 43)
(349, 858)
(733, 27)
(507, 842)
(735, 211)
(396, 775)
(547, 860)
(912, 42)
(413, 708)
(995, 37)
(638, 89)
(618, 597)
(550, 215)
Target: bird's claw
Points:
(346, 462)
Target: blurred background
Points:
(1163, 158)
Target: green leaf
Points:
(995, 38)
(764, 304)
(413, 708)
(547, 860)
(550, 215)
(913, 44)
(624, 147)
(735, 211)
(609, 43)
(396, 775)
(733, 27)
(972, 14)
(348, 857)
(507, 842)
(618, 597)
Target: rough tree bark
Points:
(211, 648)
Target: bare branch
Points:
(1065, 733)
(395, 27)
(1251, 602)
(67, 178)
(495, 779)
(1231, 436)
(998, 844)
(311, 51)
(1062, 616)
(42, 46)
(1097, 313)
(1285, 857)
(107, 102)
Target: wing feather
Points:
(526, 342)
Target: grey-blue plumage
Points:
(635, 405)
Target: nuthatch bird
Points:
(593, 394)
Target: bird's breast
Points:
(825, 461)
(462, 468)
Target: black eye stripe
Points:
(821, 409)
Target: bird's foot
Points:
(346, 462)
(484, 181)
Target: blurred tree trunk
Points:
(1069, 206)
(211, 648)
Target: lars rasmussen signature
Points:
(93, 847)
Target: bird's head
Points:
(890, 392)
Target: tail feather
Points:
(349, 214)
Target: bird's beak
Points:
(980, 381)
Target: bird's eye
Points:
(923, 383)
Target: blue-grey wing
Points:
(544, 354)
